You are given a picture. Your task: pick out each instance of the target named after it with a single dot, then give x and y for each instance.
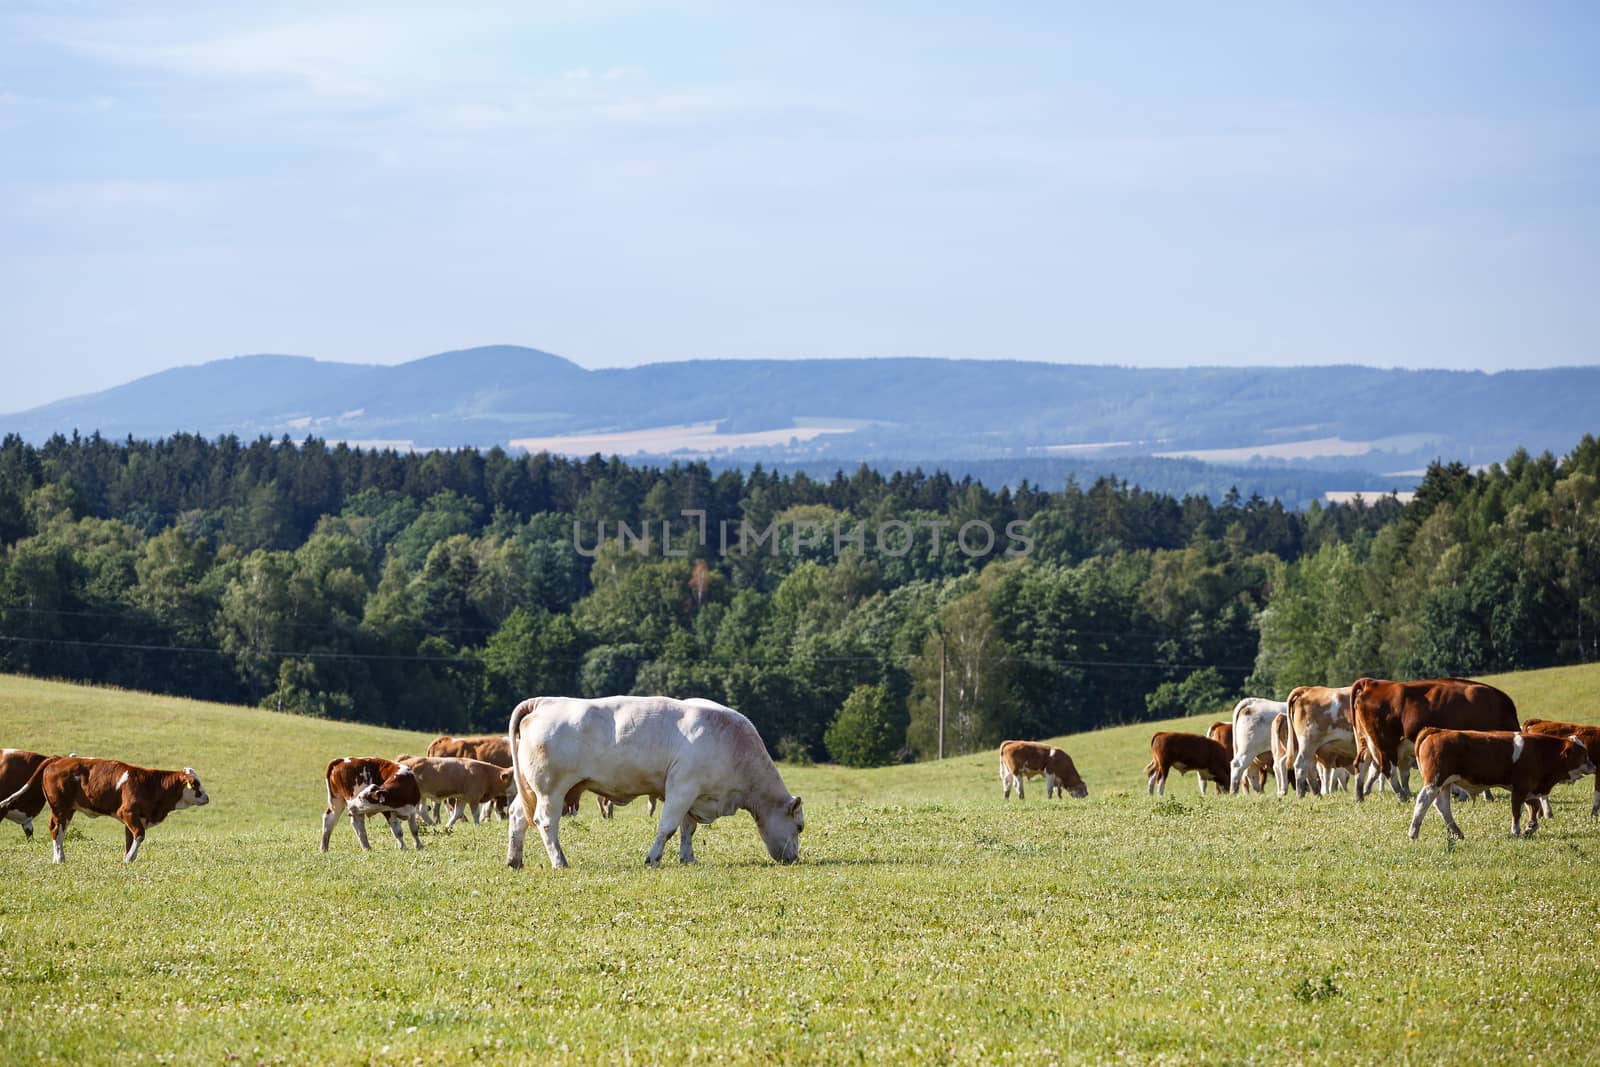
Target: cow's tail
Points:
(327, 778)
(30, 794)
(513, 735)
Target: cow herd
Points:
(1462, 735)
(700, 761)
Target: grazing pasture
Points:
(929, 920)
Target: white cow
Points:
(1252, 735)
(1319, 719)
(703, 759)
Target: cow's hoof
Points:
(515, 865)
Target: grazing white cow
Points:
(1252, 735)
(703, 759)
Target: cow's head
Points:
(397, 793)
(1576, 758)
(780, 828)
(194, 794)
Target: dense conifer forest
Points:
(434, 590)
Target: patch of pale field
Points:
(928, 921)
(698, 437)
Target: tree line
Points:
(435, 590)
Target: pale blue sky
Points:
(1393, 184)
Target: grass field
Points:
(928, 919)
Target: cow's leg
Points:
(1518, 798)
(1280, 771)
(132, 835)
(1305, 766)
(1020, 780)
(330, 818)
(686, 831)
(414, 836)
(1442, 802)
(1594, 809)
(1161, 782)
(519, 829)
(58, 834)
(478, 816)
(547, 817)
(395, 828)
(1420, 812)
(423, 814)
(360, 823)
(1005, 782)
(1545, 811)
(1050, 786)
(453, 806)
(674, 810)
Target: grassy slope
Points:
(929, 920)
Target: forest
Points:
(435, 590)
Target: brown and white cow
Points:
(367, 785)
(1250, 742)
(466, 783)
(138, 797)
(1186, 752)
(1319, 720)
(1389, 716)
(1530, 765)
(16, 767)
(1029, 759)
(1589, 735)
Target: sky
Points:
(628, 182)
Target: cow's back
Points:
(1455, 704)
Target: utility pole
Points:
(940, 630)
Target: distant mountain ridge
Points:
(1349, 417)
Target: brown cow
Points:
(1589, 735)
(1186, 752)
(1029, 759)
(467, 783)
(138, 796)
(367, 785)
(16, 767)
(490, 748)
(1221, 732)
(1388, 717)
(1529, 764)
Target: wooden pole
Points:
(941, 694)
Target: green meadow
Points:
(928, 920)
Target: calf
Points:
(466, 782)
(1589, 735)
(1530, 765)
(1029, 759)
(490, 748)
(16, 767)
(138, 796)
(1222, 734)
(366, 785)
(1186, 752)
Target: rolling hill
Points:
(1354, 419)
